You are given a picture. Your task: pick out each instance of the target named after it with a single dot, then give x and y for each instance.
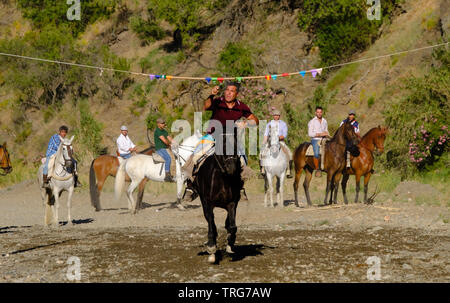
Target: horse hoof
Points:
(212, 258)
(211, 250)
(229, 250)
(181, 206)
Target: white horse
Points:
(142, 166)
(61, 180)
(275, 163)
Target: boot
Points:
(316, 164)
(169, 178)
(77, 182)
(290, 176)
(189, 193)
(45, 184)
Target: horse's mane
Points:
(336, 133)
(370, 131)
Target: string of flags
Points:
(313, 72)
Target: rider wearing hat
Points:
(162, 142)
(282, 133)
(355, 124)
(125, 147)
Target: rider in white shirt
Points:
(125, 147)
(282, 133)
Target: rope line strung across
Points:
(313, 72)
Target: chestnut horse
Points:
(104, 166)
(334, 162)
(363, 164)
(5, 161)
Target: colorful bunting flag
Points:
(303, 73)
(152, 77)
(274, 77)
(208, 79)
(285, 75)
(268, 77)
(239, 79)
(314, 73)
(319, 71)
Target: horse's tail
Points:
(120, 181)
(93, 189)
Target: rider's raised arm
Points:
(208, 105)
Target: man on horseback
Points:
(282, 132)
(162, 142)
(52, 148)
(226, 108)
(125, 147)
(355, 124)
(317, 130)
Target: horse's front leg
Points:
(366, 185)
(212, 232)
(230, 225)
(329, 186)
(55, 206)
(69, 205)
(281, 188)
(337, 179)
(358, 180)
(344, 187)
(308, 177)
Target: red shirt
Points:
(222, 113)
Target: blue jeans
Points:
(163, 153)
(45, 171)
(125, 156)
(316, 148)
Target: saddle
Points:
(310, 150)
(157, 159)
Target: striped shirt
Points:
(354, 123)
(53, 145)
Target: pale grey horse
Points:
(62, 180)
(275, 163)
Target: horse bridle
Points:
(5, 155)
(64, 164)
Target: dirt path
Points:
(164, 244)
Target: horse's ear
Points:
(4, 144)
(71, 139)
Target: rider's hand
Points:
(215, 90)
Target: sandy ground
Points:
(164, 244)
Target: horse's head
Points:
(67, 152)
(5, 161)
(349, 134)
(380, 137)
(274, 142)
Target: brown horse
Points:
(363, 164)
(104, 166)
(5, 161)
(334, 162)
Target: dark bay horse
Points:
(363, 164)
(5, 161)
(218, 184)
(334, 162)
(104, 166)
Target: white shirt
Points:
(282, 128)
(124, 144)
(315, 127)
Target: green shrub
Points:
(419, 122)
(341, 27)
(89, 131)
(236, 60)
(371, 101)
(148, 31)
(54, 12)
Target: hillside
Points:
(35, 98)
